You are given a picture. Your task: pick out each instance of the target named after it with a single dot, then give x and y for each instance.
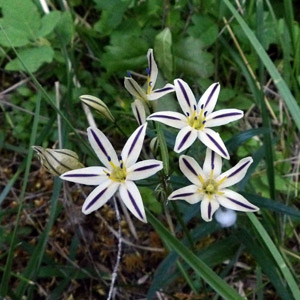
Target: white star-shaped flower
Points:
(150, 94)
(210, 186)
(118, 174)
(198, 118)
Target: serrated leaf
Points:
(204, 28)
(191, 60)
(33, 58)
(49, 21)
(163, 52)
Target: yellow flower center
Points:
(197, 120)
(118, 173)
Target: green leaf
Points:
(49, 22)
(20, 16)
(65, 28)
(33, 58)
(201, 269)
(277, 78)
(204, 28)
(191, 60)
(163, 52)
(17, 37)
(150, 200)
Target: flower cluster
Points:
(209, 186)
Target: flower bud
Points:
(98, 105)
(58, 161)
(225, 217)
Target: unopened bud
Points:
(98, 105)
(154, 145)
(58, 161)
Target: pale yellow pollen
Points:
(118, 173)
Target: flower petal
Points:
(133, 146)
(102, 147)
(158, 93)
(188, 193)
(223, 116)
(191, 169)
(235, 201)
(209, 98)
(153, 71)
(185, 96)
(134, 89)
(144, 169)
(139, 112)
(208, 208)
(173, 119)
(99, 196)
(185, 138)
(236, 173)
(212, 140)
(131, 197)
(88, 176)
(212, 161)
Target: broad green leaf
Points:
(65, 27)
(150, 200)
(21, 15)
(17, 37)
(204, 28)
(163, 52)
(201, 269)
(191, 60)
(49, 21)
(33, 58)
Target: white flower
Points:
(198, 118)
(210, 186)
(117, 174)
(135, 90)
(225, 217)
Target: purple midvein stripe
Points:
(135, 140)
(227, 115)
(99, 142)
(166, 117)
(209, 210)
(212, 160)
(189, 166)
(150, 64)
(163, 90)
(81, 175)
(184, 93)
(184, 139)
(183, 195)
(239, 169)
(216, 143)
(138, 115)
(96, 198)
(146, 167)
(135, 205)
(240, 203)
(211, 94)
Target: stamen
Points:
(201, 179)
(213, 166)
(195, 107)
(196, 118)
(150, 83)
(121, 165)
(202, 106)
(205, 113)
(221, 181)
(120, 158)
(187, 114)
(108, 158)
(148, 71)
(128, 74)
(204, 122)
(212, 173)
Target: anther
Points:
(187, 113)
(195, 107)
(150, 83)
(203, 122)
(120, 157)
(202, 106)
(108, 158)
(148, 71)
(121, 165)
(128, 74)
(205, 113)
(196, 118)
